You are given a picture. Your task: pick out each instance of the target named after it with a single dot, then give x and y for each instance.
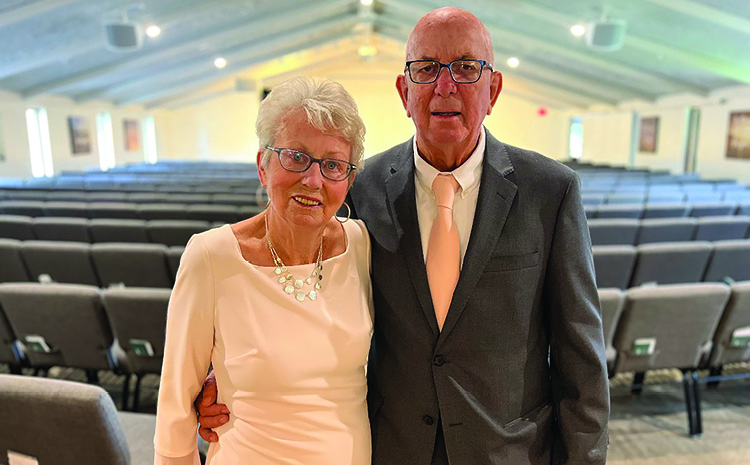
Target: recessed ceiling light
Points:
(366, 2)
(578, 30)
(513, 62)
(367, 51)
(220, 63)
(153, 31)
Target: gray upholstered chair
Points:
(666, 210)
(213, 212)
(620, 211)
(31, 208)
(64, 262)
(713, 209)
(18, 227)
(138, 317)
(666, 230)
(175, 232)
(614, 265)
(735, 316)
(162, 211)
(118, 230)
(174, 254)
(671, 262)
(730, 259)
(62, 229)
(613, 231)
(138, 265)
(110, 210)
(13, 268)
(60, 422)
(718, 228)
(67, 209)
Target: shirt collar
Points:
(467, 175)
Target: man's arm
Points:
(577, 352)
(210, 413)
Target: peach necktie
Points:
(443, 250)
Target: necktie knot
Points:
(445, 187)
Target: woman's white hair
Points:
(327, 105)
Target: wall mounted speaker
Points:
(122, 36)
(606, 36)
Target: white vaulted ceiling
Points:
(671, 46)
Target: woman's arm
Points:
(187, 356)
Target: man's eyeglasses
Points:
(298, 162)
(462, 71)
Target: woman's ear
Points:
(261, 170)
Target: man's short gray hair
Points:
(327, 105)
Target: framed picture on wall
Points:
(80, 137)
(738, 138)
(649, 134)
(132, 135)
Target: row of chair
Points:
(167, 232)
(627, 231)
(79, 326)
(666, 210)
(247, 197)
(144, 211)
(100, 265)
(683, 326)
(591, 197)
(626, 266)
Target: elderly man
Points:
(488, 345)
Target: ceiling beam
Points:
(238, 28)
(416, 8)
(24, 12)
(203, 66)
(705, 13)
(166, 90)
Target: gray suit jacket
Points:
(526, 288)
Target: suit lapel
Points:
(402, 204)
(496, 194)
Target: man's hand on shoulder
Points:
(210, 413)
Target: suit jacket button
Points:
(428, 420)
(439, 360)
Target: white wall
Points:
(606, 137)
(15, 135)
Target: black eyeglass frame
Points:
(352, 167)
(441, 65)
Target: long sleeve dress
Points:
(291, 373)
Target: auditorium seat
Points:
(666, 210)
(134, 265)
(252, 210)
(162, 211)
(173, 260)
(620, 211)
(238, 200)
(111, 210)
(61, 422)
(211, 212)
(611, 301)
(717, 228)
(744, 208)
(671, 262)
(18, 227)
(613, 265)
(62, 229)
(713, 209)
(187, 198)
(10, 352)
(735, 316)
(729, 259)
(67, 209)
(175, 232)
(70, 320)
(105, 197)
(626, 198)
(26, 194)
(615, 231)
(13, 268)
(31, 208)
(138, 315)
(66, 196)
(118, 230)
(147, 197)
(703, 197)
(665, 196)
(666, 230)
(64, 262)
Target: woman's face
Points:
(304, 199)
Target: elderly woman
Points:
(280, 303)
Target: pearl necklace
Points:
(290, 283)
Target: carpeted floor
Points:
(649, 430)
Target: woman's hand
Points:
(210, 414)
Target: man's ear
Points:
(261, 170)
(403, 92)
(496, 85)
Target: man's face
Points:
(444, 112)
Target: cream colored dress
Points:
(291, 373)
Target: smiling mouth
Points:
(306, 202)
(445, 113)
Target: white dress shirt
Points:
(465, 204)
